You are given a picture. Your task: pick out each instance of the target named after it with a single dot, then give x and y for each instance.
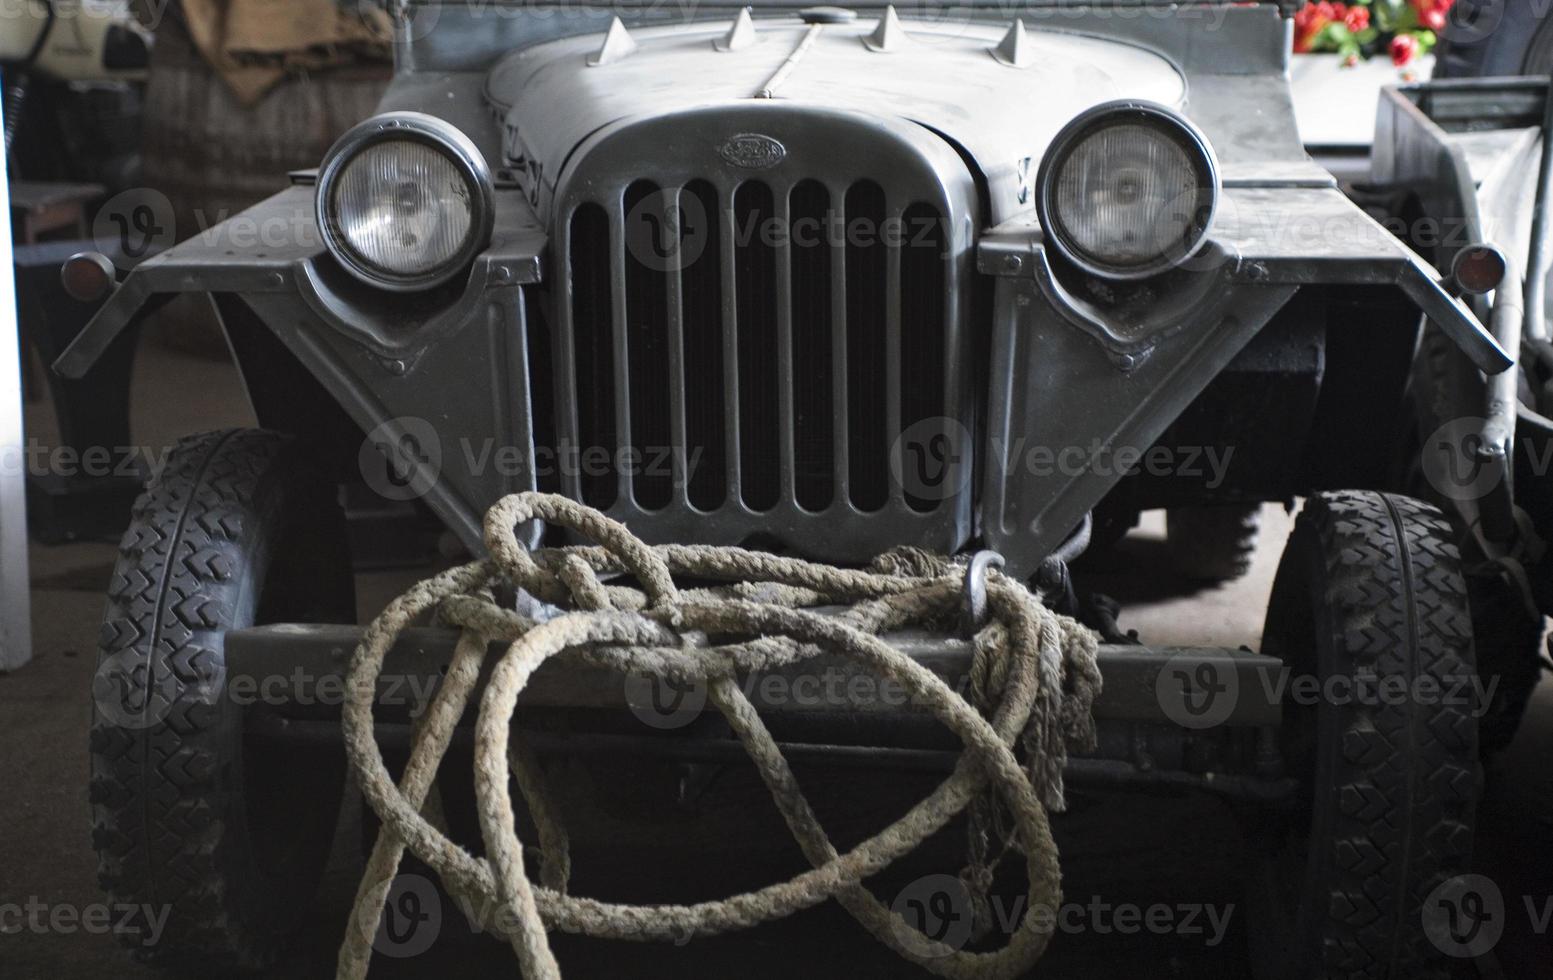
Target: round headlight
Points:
(404, 201)
(1128, 190)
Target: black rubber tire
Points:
(1370, 584)
(1507, 635)
(1213, 543)
(227, 834)
(1508, 638)
(1495, 38)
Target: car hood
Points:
(943, 75)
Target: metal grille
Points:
(748, 352)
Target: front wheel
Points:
(1213, 543)
(220, 836)
(1369, 613)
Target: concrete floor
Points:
(1120, 849)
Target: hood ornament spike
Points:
(889, 35)
(618, 45)
(740, 35)
(1015, 49)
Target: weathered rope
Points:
(1034, 682)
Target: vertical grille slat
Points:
(593, 370)
(783, 296)
(923, 336)
(867, 339)
(814, 467)
(760, 436)
(702, 297)
(674, 451)
(841, 458)
(543, 405)
(892, 345)
(728, 254)
(644, 332)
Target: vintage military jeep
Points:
(831, 282)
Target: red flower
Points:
(1431, 13)
(1357, 18)
(1309, 21)
(1404, 48)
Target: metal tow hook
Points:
(973, 602)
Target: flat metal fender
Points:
(401, 371)
(1061, 366)
(275, 247)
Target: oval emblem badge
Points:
(752, 151)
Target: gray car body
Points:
(1035, 363)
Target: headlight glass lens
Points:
(1132, 195)
(403, 207)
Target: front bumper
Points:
(1179, 717)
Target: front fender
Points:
(403, 373)
(1061, 366)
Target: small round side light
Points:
(87, 276)
(1478, 269)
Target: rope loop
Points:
(1034, 681)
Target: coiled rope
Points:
(1033, 677)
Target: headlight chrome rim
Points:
(1107, 115)
(442, 137)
